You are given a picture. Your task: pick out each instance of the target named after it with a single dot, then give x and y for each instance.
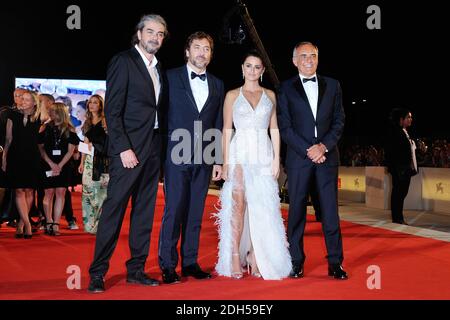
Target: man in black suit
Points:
(311, 120)
(135, 99)
(195, 107)
(400, 153)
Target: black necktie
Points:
(313, 79)
(201, 76)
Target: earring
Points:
(261, 77)
(243, 77)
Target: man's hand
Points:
(316, 152)
(217, 173)
(321, 160)
(129, 159)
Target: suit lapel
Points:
(299, 88)
(187, 87)
(161, 82)
(137, 59)
(322, 89)
(211, 90)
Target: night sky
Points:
(401, 65)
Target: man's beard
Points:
(149, 48)
(201, 64)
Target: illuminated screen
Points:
(74, 93)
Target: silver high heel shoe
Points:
(237, 274)
(251, 264)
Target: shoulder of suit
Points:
(214, 78)
(290, 81)
(129, 52)
(177, 70)
(287, 83)
(398, 132)
(126, 54)
(327, 79)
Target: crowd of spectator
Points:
(433, 153)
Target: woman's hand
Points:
(225, 172)
(56, 170)
(80, 168)
(275, 169)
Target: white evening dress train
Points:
(250, 168)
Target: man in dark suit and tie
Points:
(134, 110)
(195, 107)
(311, 120)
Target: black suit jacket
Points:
(130, 104)
(296, 120)
(398, 154)
(183, 112)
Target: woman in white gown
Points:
(251, 229)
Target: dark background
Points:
(401, 65)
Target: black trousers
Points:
(326, 185)
(141, 184)
(400, 187)
(186, 188)
(314, 196)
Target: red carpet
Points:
(411, 267)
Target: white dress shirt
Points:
(312, 92)
(199, 89)
(413, 149)
(151, 67)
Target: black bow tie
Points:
(201, 76)
(313, 79)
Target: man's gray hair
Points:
(303, 43)
(149, 17)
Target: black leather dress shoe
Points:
(195, 271)
(169, 276)
(296, 272)
(336, 271)
(96, 285)
(401, 222)
(141, 278)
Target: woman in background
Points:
(56, 145)
(94, 169)
(21, 157)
